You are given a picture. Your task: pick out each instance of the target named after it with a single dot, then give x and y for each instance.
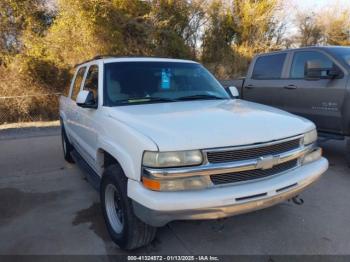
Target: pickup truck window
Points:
(300, 58)
(269, 66)
(155, 82)
(91, 81)
(342, 53)
(77, 83)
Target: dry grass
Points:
(30, 124)
(31, 108)
(24, 97)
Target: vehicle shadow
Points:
(334, 151)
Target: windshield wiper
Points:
(164, 99)
(146, 99)
(204, 97)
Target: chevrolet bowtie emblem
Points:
(267, 162)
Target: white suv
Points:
(162, 140)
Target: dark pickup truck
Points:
(312, 82)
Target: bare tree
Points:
(336, 24)
(310, 32)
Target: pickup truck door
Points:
(72, 110)
(319, 100)
(87, 128)
(264, 83)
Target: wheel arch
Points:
(62, 117)
(105, 159)
(107, 156)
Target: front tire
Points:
(125, 229)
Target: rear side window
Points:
(91, 81)
(269, 67)
(300, 58)
(77, 83)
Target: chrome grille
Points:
(252, 174)
(225, 156)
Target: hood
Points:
(209, 124)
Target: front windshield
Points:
(342, 53)
(155, 82)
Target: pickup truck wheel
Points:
(66, 146)
(125, 229)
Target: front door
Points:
(73, 120)
(319, 100)
(88, 118)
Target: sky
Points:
(316, 4)
(291, 7)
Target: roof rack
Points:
(95, 58)
(116, 56)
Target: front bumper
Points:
(159, 208)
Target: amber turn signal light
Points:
(151, 184)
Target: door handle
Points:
(249, 86)
(290, 87)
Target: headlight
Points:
(310, 137)
(172, 159)
(312, 156)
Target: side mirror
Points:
(86, 99)
(335, 72)
(233, 91)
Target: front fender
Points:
(126, 145)
(121, 155)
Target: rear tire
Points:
(66, 146)
(125, 229)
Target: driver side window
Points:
(91, 81)
(300, 58)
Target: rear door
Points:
(319, 100)
(264, 83)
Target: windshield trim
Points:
(146, 59)
(221, 95)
